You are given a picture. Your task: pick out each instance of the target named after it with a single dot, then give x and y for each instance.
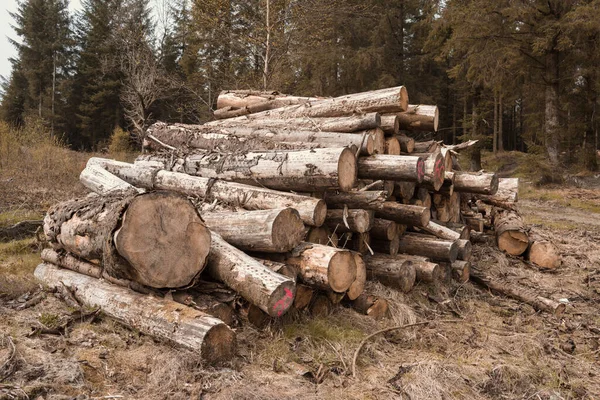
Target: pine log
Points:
(349, 124)
(350, 220)
(384, 229)
(475, 223)
(163, 319)
(156, 239)
(100, 181)
(517, 292)
(389, 247)
(441, 231)
(434, 171)
(461, 271)
(68, 261)
(463, 230)
(407, 144)
(510, 232)
(448, 162)
(419, 117)
(378, 185)
(507, 194)
(241, 99)
(405, 190)
(390, 124)
(272, 231)
(373, 306)
(312, 211)
(465, 249)
(322, 235)
(390, 167)
(358, 286)
(424, 196)
(429, 246)
(368, 200)
(207, 304)
(392, 272)
(476, 182)
(392, 146)
(429, 146)
(302, 170)
(426, 271)
(321, 306)
(403, 214)
(271, 292)
(304, 295)
(543, 253)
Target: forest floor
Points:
(478, 345)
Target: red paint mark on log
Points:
(282, 305)
(420, 170)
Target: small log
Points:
(207, 304)
(390, 167)
(465, 249)
(463, 230)
(359, 242)
(441, 231)
(429, 246)
(272, 231)
(358, 286)
(378, 185)
(368, 200)
(424, 196)
(434, 169)
(426, 271)
(72, 263)
(407, 144)
(349, 124)
(373, 306)
(357, 220)
(475, 223)
(390, 124)
(281, 268)
(304, 295)
(510, 232)
(429, 146)
(475, 182)
(384, 229)
(163, 319)
(322, 235)
(405, 190)
(461, 271)
(517, 292)
(389, 247)
(506, 196)
(257, 317)
(392, 272)
(543, 253)
(392, 146)
(403, 214)
(271, 292)
(134, 236)
(419, 117)
(100, 181)
(321, 306)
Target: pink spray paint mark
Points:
(283, 304)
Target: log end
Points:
(403, 98)
(320, 213)
(347, 170)
(219, 344)
(544, 254)
(465, 249)
(358, 286)
(282, 298)
(288, 230)
(436, 119)
(408, 272)
(392, 146)
(341, 271)
(439, 170)
(513, 242)
(379, 144)
(420, 170)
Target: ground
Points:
(479, 345)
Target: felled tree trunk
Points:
(465, 249)
(510, 232)
(430, 146)
(272, 231)
(390, 167)
(426, 271)
(135, 237)
(389, 247)
(429, 246)
(163, 319)
(349, 124)
(353, 220)
(403, 214)
(392, 146)
(390, 124)
(384, 229)
(302, 170)
(391, 271)
(543, 253)
(100, 181)
(322, 235)
(404, 190)
(475, 182)
(434, 170)
(441, 231)
(461, 270)
(407, 144)
(419, 117)
(244, 98)
(368, 200)
(506, 196)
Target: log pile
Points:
(282, 203)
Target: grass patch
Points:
(18, 260)
(12, 217)
(552, 224)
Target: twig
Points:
(370, 185)
(157, 141)
(34, 301)
(393, 328)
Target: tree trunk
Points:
(384, 229)
(461, 270)
(354, 220)
(510, 232)
(397, 274)
(543, 253)
(246, 98)
(507, 193)
(426, 147)
(426, 271)
(163, 319)
(65, 260)
(304, 295)
(404, 190)
(135, 237)
(419, 118)
(271, 292)
(465, 249)
(392, 146)
(403, 214)
(434, 169)
(390, 124)
(552, 126)
(271, 231)
(389, 247)
(302, 170)
(441, 231)
(476, 182)
(429, 246)
(500, 123)
(390, 167)
(368, 200)
(102, 182)
(407, 144)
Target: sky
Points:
(7, 50)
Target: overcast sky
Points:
(6, 49)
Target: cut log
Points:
(246, 98)
(403, 214)
(517, 292)
(350, 220)
(407, 144)
(272, 231)
(389, 247)
(390, 124)
(392, 146)
(426, 271)
(384, 229)
(156, 239)
(257, 317)
(461, 271)
(465, 249)
(100, 181)
(302, 170)
(543, 253)
(463, 230)
(434, 170)
(429, 246)
(392, 272)
(335, 297)
(510, 232)
(72, 263)
(271, 292)
(281, 268)
(378, 185)
(207, 304)
(475, 182)
(441, 231)
(419, 117)
(390, 167)
(359, 242)
(430, 146)
(321, 306)
(322, 235)
(424, 196)
(373, 306)
(506, 196)
(404, 190)
(358, 286)
(368, 200)
(304, 295)
(163, 319)
(475, 223)
(312, 211)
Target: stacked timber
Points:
(282, 203)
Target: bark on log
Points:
(392, 146)
(419, 117)
(281, 268)
(407, 144)
(510, 232)
(430, 146)
(304, 295)
(368, 200)
(441, 231)
(378, 185)
(405, 190)
(384, 229)
(352, 220)
(271, 231)
(476, 182)
(390, 167)
(156, 239)
(465, 249)
(403, 214)
(392, 272)
(207, 304)
(426, 271)
(66, 260)
(434, 170)
(241, 99)
(461, 270)
(312, 211)
(463, 230)
(390, 124)
(100, 181)
(322, 235)
(507, 194)
(321, 306)
(358, 286)
(475, 223)
(373, 306)
(302, 170)
(271, 292)
(389, 247)
(517, 292)
(429, 246)
(163, 319)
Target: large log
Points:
(312, 211)
(475, 182)
(403, 214)
(156, 239)
(429, 246)
(391, 271)
(350, 220)
(390, 100)
(271, 292)
(506, 196)
(510, 232)
(390, 167)
(434, 170)
(349, 124)
(419, 117)
(249, 98)
(243, 138)
(100, 181)
(302, 170)
(163, 319)
(389, 247)
(384, 229)
(272, 231)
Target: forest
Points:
(517, 75)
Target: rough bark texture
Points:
(392, 146)
(461, 270)
(508, 192)
(441, 231)
(66, 260)
(349, 124)
(390, 124)
(419, 118)
(476, 182)
(510, 232)
(389, 247)
(392, 272)
(391, 167)
(368, 200)
(384, 229)
(372, 306)
(429, 246)
(100, 181)
(426, 271)
(163, 319)
(403, 214)
(351, 220)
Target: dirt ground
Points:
(479, 345)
